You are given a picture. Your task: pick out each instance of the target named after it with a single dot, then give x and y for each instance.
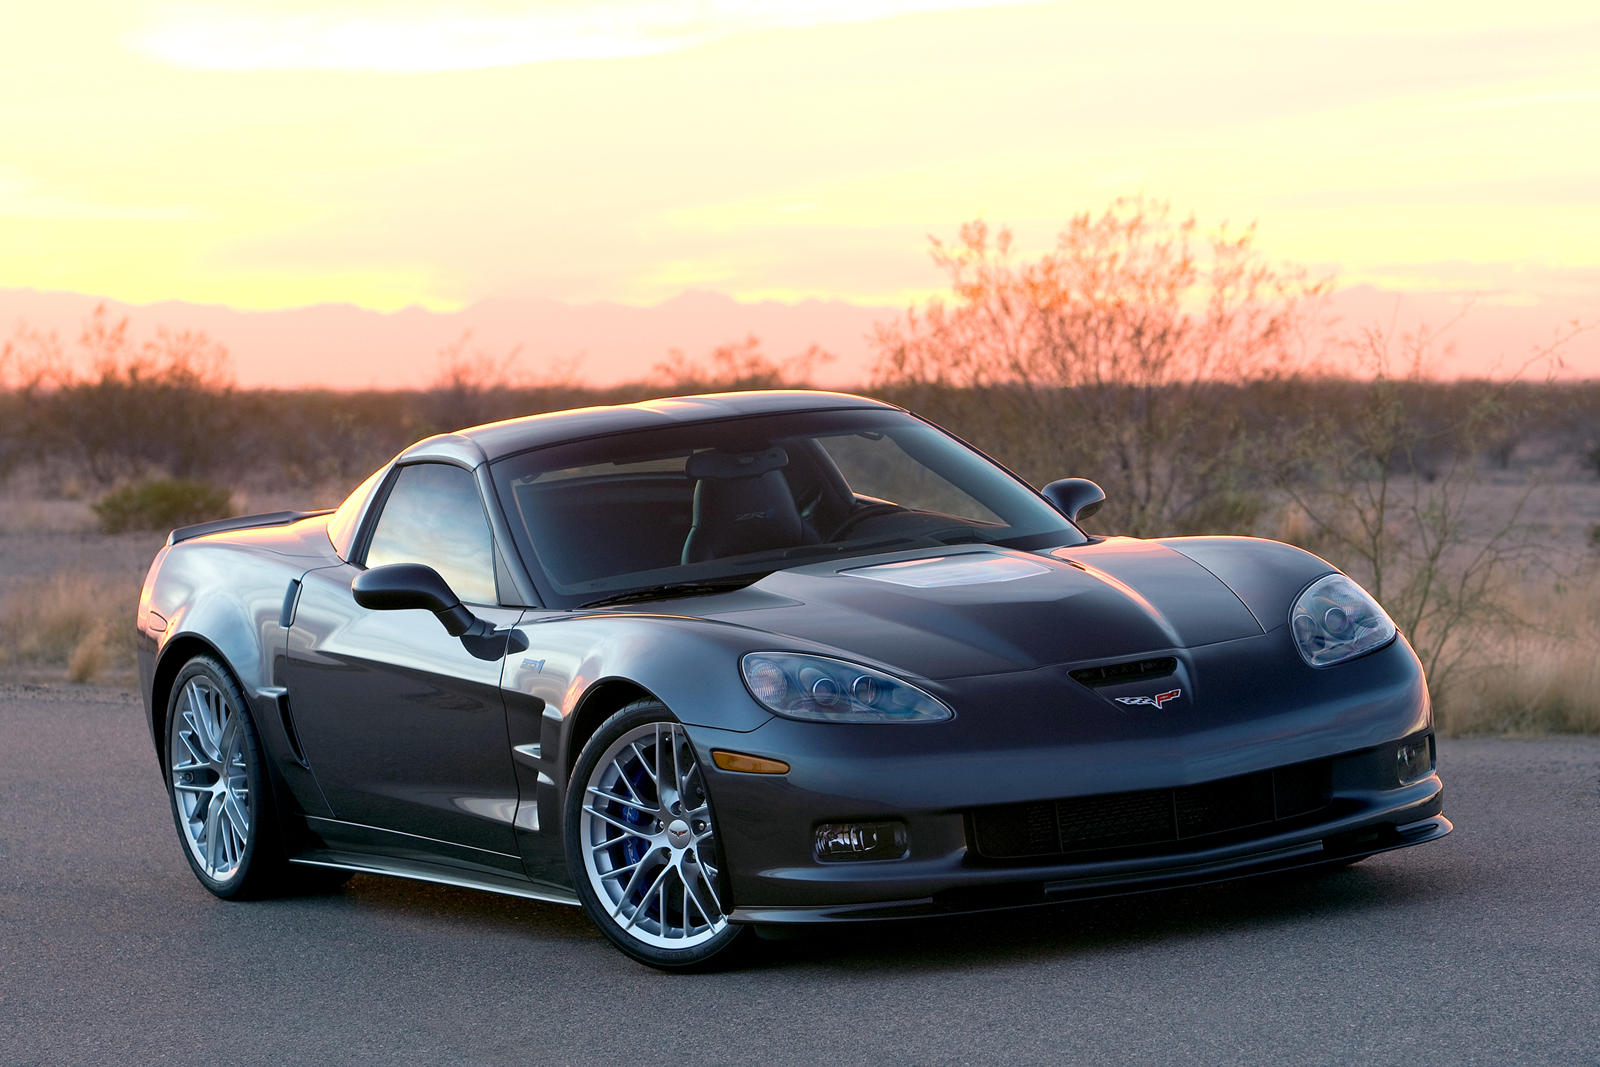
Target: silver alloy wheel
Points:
(210, 779)
(648, 839)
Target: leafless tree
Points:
(1113, 355)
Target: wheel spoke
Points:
(226, 842)
(627, 890)
(711, 890)
(205, 729)
(687, 928)
(238, 818)
(678, 765)
(228, 741)
(618, 872)
(643, 898)
(622, 779)
(596, 791)
(212, 835)
(656, 770)
(189, 737)
(632, 831)
(643, 759)
(688, 895)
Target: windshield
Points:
(712, 505)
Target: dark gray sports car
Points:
(709, 663)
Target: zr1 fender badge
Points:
(1153, 701)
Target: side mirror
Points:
(413, 585)
(1076, 498)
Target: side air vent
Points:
(1118, 673)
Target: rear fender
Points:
(217, 601)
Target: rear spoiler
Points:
(246, 522)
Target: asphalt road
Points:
(1482, 948)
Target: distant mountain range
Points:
(340, 346)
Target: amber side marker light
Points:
(738, 761)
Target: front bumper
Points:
(952, 887)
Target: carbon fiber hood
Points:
(985, 610)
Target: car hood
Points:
(987, 610)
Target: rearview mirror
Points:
(1076, 498)
(413, 585)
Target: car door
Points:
(403, 724)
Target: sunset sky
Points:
(277, 153)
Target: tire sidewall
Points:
(718, 948)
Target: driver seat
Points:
(742, 503)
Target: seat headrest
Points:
(720, 466)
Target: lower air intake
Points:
(1150, 819)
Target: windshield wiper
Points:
(675, 589)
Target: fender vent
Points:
(1118, 673)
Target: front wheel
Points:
(641, 842)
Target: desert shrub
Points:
(1386, 482)
(161, 504)
(116, 405)
(78, 622)
(737, 366)
(1536, 678)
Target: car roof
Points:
(495, 440)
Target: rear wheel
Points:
(641, 842)
(218, 784)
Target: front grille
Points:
(1150, 819)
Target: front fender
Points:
(577, 669)
(691, 665)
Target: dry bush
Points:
(1391, 491)
(735, 367)
(1539, 677)
(80, 624)
(158, 403)
(161, 504)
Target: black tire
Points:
(218, 787)
(641, 844)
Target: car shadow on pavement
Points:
(1369, 892)
(484, 914)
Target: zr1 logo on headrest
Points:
(1155, 701)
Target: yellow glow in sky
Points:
(419, 38)
(283, 152)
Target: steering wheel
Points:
(857, 517)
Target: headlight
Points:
(1335, 620)
(819, 689)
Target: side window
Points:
(434, 516)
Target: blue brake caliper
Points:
(634, 848)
